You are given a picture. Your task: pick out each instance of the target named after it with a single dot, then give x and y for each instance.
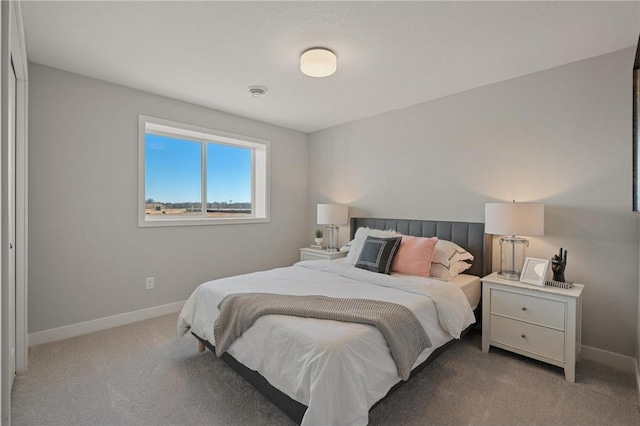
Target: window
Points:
(195, 176)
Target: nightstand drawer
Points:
(528, 337)
(547, 312)
(312, 256)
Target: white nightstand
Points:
(315, 254)
(543, 323)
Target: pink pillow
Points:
(414, 255)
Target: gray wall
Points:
(561, 137)
(87, 257)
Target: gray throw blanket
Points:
(403, 332)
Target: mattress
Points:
(471, 287)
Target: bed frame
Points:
(468, 235)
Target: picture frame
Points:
(534, 271)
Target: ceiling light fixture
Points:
(318, 62)
(257, 91)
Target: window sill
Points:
(145, 223)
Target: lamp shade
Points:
(318, 62)
(526, 219)
(333, 214)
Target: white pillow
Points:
(448, 253)
(358, 241)
(441, 272)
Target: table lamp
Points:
(513, 219)
(332, 215)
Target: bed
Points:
(297, 363)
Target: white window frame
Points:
(260, 164)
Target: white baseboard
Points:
(67, 331)
(611, 359)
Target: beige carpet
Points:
(142, 374)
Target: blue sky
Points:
(173, 171)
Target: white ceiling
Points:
(390, 54)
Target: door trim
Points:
(19, 55)
(12, 45)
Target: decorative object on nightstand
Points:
(318, 239)
(558, 265)
(534, 271)
(559, 284)
(315, 254)
(513, 219)
(332, 215)
(542, 323)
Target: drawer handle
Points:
(524, 308)
(524, 336)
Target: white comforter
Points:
(338, 370)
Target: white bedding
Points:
(338, 370)
(469, 284)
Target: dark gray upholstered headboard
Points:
(468, 235)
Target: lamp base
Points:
(512, 251)
(332, 234)
(509, 275)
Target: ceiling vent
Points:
(257, 91)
